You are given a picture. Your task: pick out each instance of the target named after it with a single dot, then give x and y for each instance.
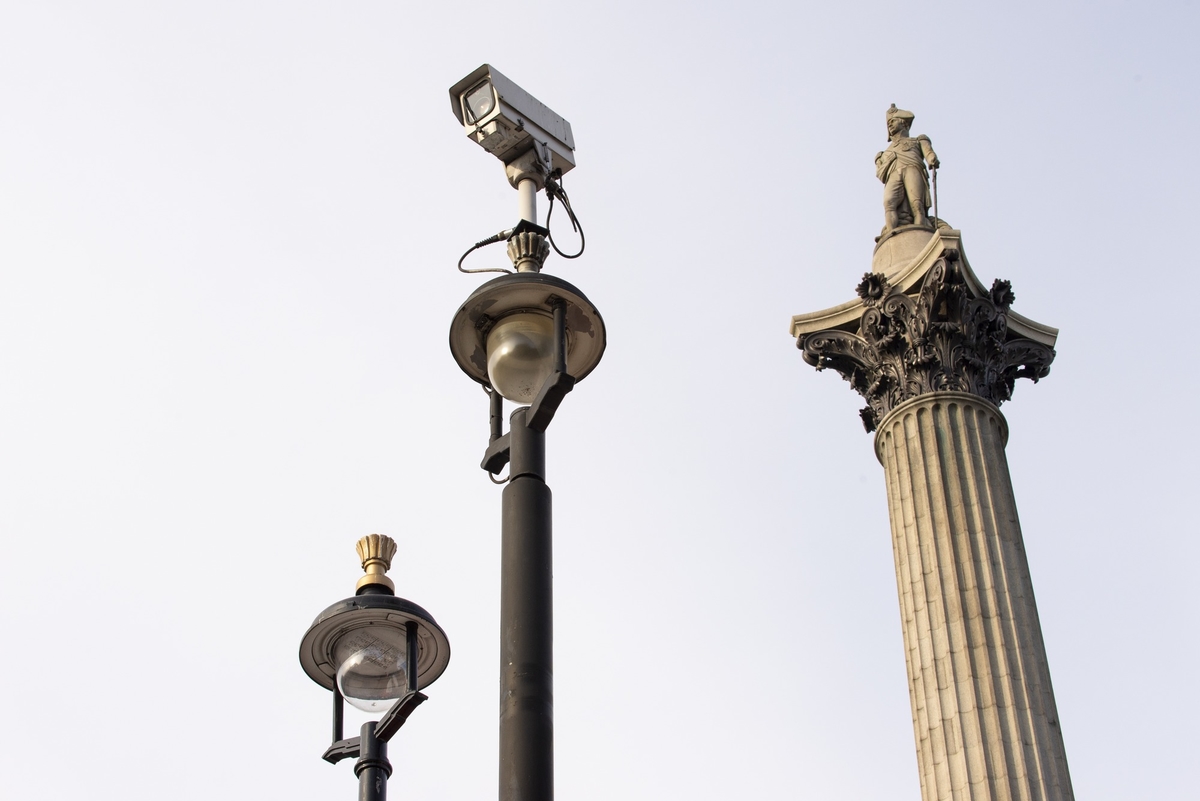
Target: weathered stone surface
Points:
(983, 707)
(934, 352)
(906, 278)
(899, 247)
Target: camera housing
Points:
(508, 122)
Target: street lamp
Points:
(376, 651)
(526, 337)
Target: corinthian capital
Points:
(945, 333)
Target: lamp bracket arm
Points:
(391, 722)
(548, 399)
(342, 749)
(496, 455)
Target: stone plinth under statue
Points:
(900, 247)
(934, 352)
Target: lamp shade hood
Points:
(376, 615)
(524, 294)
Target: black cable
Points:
(554, 190)
(491, 240)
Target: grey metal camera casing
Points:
(517, 122)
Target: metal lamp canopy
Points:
(317, 648)
(525, 292)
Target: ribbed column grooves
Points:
(984, 718)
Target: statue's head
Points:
(898, 120)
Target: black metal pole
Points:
(372, 767)
(526, 622)
(338, 713)
(496, 415)
(412, 657)
(560, 336)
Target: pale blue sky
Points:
(227, 243)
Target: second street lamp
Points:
(376, 651)
(526, 337)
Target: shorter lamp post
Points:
(376, 651)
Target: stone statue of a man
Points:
(902, 169)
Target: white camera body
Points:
(508, 122)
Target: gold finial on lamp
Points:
(376, 552)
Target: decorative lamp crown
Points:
(376, 552)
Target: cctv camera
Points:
(508, 122)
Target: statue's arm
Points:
(927, 151)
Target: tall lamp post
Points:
(376, 651)
(526, 337)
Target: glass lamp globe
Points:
(520, 355)
(372, 667)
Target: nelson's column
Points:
(934, 353)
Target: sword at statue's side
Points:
(936, 219)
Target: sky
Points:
(228, 236)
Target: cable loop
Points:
(554, 190)
(491, 240)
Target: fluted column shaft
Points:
(983, 708)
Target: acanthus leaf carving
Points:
(940, 339)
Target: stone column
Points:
(983, 708)
(934, 354)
